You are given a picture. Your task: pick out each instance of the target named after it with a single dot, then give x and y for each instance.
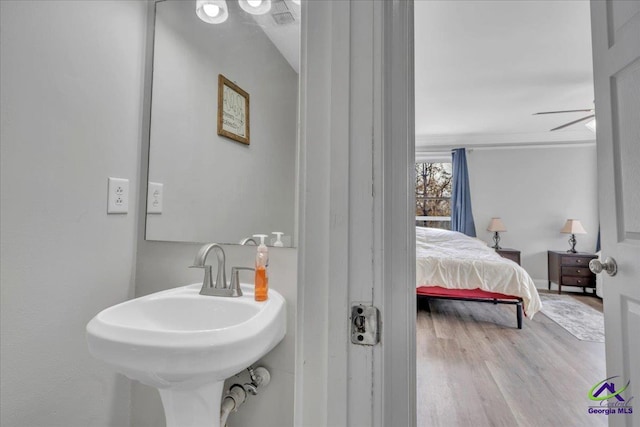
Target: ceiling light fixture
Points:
(255, 7)
(216, 11)
(212, 11)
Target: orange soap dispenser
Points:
(262, 262)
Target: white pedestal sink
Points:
(186, 345)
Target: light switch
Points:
(155, 195)
(118, 196)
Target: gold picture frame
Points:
(233, 111)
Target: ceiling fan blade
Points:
(573, 122)
(589, 110)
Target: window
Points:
(433, 195)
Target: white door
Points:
(616, 57)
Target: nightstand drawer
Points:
(576, 271)
(570, 269)
(588, 282)
(576, 261)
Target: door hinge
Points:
(365, 325)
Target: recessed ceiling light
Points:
(255, 7)
(212, 11)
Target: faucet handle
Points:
(235, 280)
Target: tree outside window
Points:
(433, 195)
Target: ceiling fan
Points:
(586, 110)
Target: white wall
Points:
(221, 186)
(163, 265)
(535, 190)
(71, 85)
(71, 92)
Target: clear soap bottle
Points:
(262, 262)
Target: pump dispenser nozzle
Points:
(278, 243)
(262, 237)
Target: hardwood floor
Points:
(474, 368)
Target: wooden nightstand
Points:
(512, 254)
(569, 269)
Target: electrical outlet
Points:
(118, 196)
(155, 195)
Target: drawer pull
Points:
(579, 261)
(578, 271)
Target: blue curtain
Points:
(461, 215)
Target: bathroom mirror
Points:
(206, 187)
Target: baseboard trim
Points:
(541, 284)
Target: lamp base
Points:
(496, 241)
(572, 242)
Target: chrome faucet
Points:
(248, 240)
(219, 287)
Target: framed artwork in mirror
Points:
(233, 111)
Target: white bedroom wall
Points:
(71, 86)
(534, 189)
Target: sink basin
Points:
(186, 344)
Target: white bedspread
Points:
(453, 260)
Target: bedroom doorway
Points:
(474, 344)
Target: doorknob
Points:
(609, 265)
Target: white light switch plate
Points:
(155, 195)
(118, 196)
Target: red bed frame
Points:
(437, 292)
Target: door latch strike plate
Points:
(365, 325)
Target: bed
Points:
(451, 265)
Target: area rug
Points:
(580, 320)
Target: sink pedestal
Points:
(185, 345)
(192, 407)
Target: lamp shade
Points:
(573, 226)
(496, 225)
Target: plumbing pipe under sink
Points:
(260, 377)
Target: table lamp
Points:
(573, 227)
(496, 226)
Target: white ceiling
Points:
(286, 37)
(482, 68)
